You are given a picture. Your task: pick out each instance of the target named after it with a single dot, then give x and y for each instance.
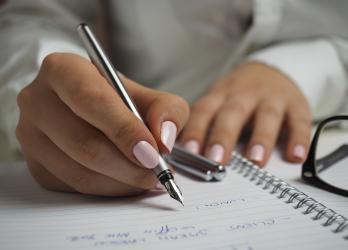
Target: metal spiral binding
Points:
(286, 191)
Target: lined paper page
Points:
(232, 214)
(291, 173)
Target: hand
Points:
(252, 92)
(77, 134)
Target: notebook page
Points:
(291, 173)
(233, 214)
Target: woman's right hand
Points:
(77, 135)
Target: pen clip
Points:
(196, 165)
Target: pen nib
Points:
(174, 191)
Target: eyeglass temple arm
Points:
(333, 157)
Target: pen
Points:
(101, 61)
(196, 165)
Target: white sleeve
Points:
(316, 68)
(29, 30)
(307, 41)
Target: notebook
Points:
(249, 209)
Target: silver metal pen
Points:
(195, 165)
(101, 61)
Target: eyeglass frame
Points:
(309, 173)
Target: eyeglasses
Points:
(326, 166)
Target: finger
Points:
(299, 126)
(202, 113)
(267, 123)
(75, 175)
(164, 113)
(80, 86)
(85, 144)
(45, 178)
(39, 173)
(227, 126)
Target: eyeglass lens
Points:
(331, 161)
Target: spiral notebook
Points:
(249, 209)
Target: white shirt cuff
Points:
(315, 67)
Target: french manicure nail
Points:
(299, 151)
(168, 134)
(257, 153)
(216, 153)
(192, 146)
(146, 154)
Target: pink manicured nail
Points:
(192, 146)
(299, 151)
(168, 134)
(216, 153)
(257, 153)
(146, 154)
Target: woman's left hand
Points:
(252, 92)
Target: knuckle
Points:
(24, 134)
(82, 96)
(201, 106)
(127, 131)
(179, 101)
(52, 61)
(300, 102)
(90, 149)
(272, 110)
(181, 105)
(24, 98)
(236, 107)
(177, 107)
(19, 132)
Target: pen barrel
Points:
(104, 65)
(196, 165)
(203, 174)
(161, 167)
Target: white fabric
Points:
(316, 68)
(181, 46)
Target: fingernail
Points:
(299, 151)
(257, 153)
(146, 154)
(168, 134)
(216, 153)
(192, 146)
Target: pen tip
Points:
(182, 203)
(180, 199)
(174, 191)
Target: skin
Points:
(77, 135)
(252, 92)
